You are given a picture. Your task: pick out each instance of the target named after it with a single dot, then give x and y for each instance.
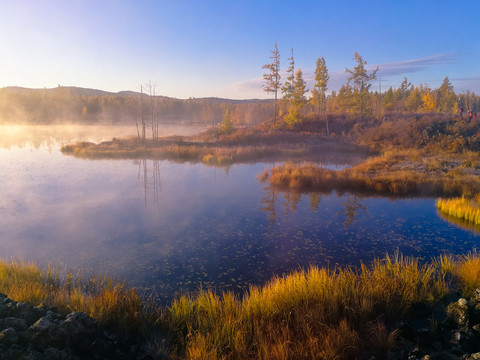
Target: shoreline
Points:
(379, 309)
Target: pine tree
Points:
(361, 83)
(405, 87)
(297, 100)
(320, 88)
(344, 98)
(272, 77)
(299, 89)
(288, 86)
(446, 97)
(227, 124)
(414, 101)
(402, 93)
(388, 99)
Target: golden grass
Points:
(112, 304)
(461, 208)
(402, 173)
(309, 314)
(316, 313)
(468, 271)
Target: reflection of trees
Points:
(291, 201)
(268, 204)
(314, 200)
(351, 207)
(290, 204)
(144, 177)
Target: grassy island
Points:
(316, 313)
(241, 146)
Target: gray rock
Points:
(13, 322)
(27, 312)
(457, 313)
(46, 333)
(57, 354)
(474, 304)
(9, 336)
(85, 335)
(475, 300)
(39, 333)
(15, 352)
(78, 322)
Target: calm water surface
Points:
(169, 227)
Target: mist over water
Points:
(168, 227)
(52, 136)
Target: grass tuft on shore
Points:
(107, 301)
(316, 313)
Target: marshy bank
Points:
(396, 173)
(396, 307)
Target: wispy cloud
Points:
(339, 78)
(414, 65)
(463, 84)
(249, 85)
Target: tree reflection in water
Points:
(351, 207)
(315, 199)
(143, 180)
(268, 205)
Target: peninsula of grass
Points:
(397, 173)
(317, 313)
(241, 146)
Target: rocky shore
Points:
(34, 333)
(442, 332)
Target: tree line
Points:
(85, 106)
(355, 96)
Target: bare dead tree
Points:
(143, 114)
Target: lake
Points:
(168, 227)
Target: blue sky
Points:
(217, 48)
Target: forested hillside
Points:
(78, 105)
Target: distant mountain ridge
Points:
(79, 91)
(83, 105)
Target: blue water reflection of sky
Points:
(171, 227)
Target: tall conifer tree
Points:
(272, 77)
(320, 88)
(289, 84)
(297, 100)
(361, 83)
